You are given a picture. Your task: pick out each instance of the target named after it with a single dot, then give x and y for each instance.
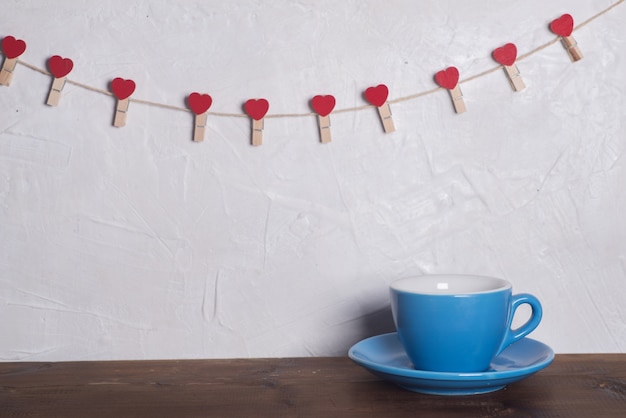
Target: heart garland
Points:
(322, 104)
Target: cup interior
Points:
(450, 285)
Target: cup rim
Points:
(415, 285)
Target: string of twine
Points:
(344, 110)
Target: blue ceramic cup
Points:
(458, 323)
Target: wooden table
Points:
(575, 385)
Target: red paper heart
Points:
(122, 89)
(257, 108)
(60, 67)
(199, 103)
(323, 105)
(377, 95)
(506, 54)
(447, 78)
(563, 26)
(12, 47)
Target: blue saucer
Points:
(384, 356)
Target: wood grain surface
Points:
(575, 385)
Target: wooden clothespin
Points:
(323, 105)
(377, 96)
(122, 89)
(12, 49)
(257, 109)
(563, 27)
(449, 79)
(506, 55)
(199, 105)
(59, 68)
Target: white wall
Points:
(136, 243)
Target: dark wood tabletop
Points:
(574, 385)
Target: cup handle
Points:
(512, 335)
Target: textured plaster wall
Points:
(135, 242)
